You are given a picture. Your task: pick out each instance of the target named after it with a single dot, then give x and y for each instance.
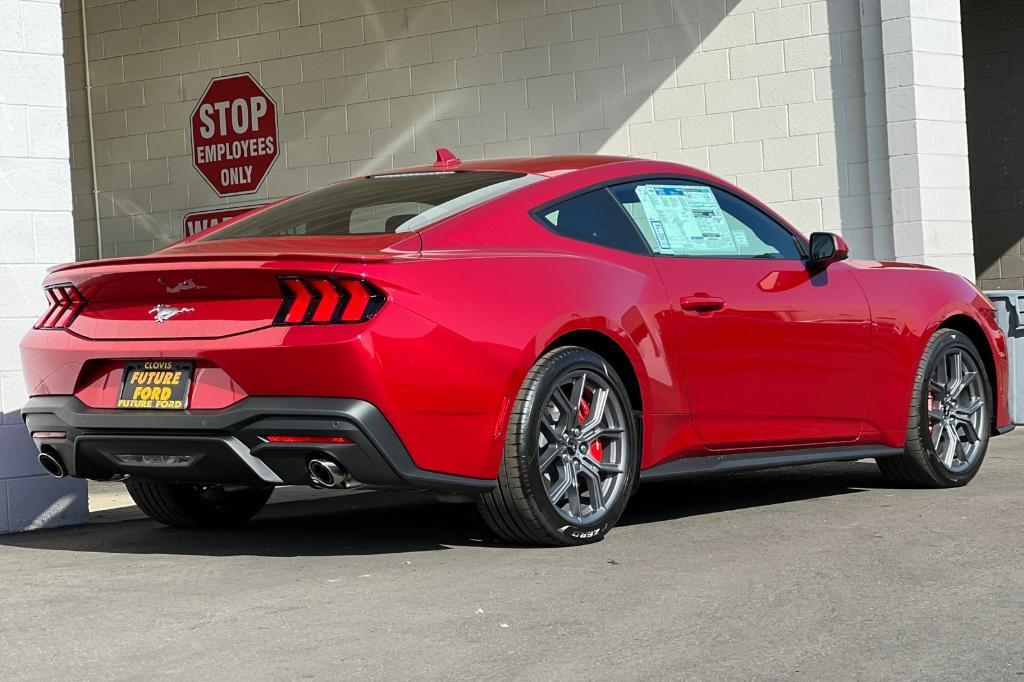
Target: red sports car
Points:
(540, 334)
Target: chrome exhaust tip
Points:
(327, 474)
(52, 465)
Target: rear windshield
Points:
(401, 202)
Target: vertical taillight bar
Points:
(329, 300)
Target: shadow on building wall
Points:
(993, 40)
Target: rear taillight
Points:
(66, 302)
(327, 300)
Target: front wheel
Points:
(950, 417)
(190, 506)
(570, 456)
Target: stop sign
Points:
(234, 134)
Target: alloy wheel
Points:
(957, 409)
(583, 449)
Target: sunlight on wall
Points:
(52, 514)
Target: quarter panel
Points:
(539, 287)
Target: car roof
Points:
(537, 165)
(550, 166)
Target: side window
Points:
(596, 218)
(679, 218)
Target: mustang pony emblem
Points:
(162, 312)
(188, 285)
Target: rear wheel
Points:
(570, 455)
(193, 506)
(950, 417)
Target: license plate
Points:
(155, 385)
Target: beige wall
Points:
(768, 93)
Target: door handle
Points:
(701, 304)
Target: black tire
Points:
(919, 465)
(191, 506)
(518, 509)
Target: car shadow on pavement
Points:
(382, 522)
(347, 524)
(716, 493)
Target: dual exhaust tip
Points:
(324, 472)
(327, 473)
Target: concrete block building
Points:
(895, 123)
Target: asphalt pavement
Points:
(818, 572)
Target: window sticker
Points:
(686, 220)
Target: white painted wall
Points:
(768, 93)
(927, 133)
(35, 231)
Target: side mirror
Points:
(827, 248)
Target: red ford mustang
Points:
(540, 334)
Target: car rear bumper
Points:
(229, 446)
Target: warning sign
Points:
(203, 220)
(234, 135)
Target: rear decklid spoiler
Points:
(219, 288)
(366, 248)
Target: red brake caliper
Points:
(596, 450)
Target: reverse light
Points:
(43, 435)
(66, 302)
(327, 300)
(320, 440)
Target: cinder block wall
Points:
(768, 93)
(994, 90)
(35, 232)
(927, 133)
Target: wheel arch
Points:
(970, 328)
(609, 349)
